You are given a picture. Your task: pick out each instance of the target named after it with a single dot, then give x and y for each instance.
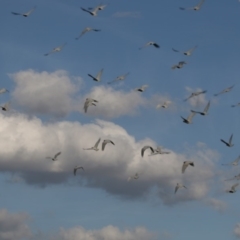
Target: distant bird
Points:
(164, 105)
(89, 102)
(76, 168)
(3, 90)
(6, 106)
(179, 185)
(135, 177)
(87, 29)
(188, 120)
(100, 7)
(106, 141)
(158, 150)
(95, 147)
(186, 164)
(142, 88)
(24, 14)
(93, 11)
(119, 78)
(56, 49)
(205, 111)
(194, 94)
(233, 188)
(55, 156)
(229, 143)
(196, 8)
(186, 53)
(224, 90)
(234, 163)
(144, 148)
(98, 77)
(237, 177)
(179, 65)
(150, 44)
(236, 105)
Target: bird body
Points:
(142, 88)
(95, 147)
(150, 44)
(105, 142)
(3, 90)
(186, 53)
(179, 65)
(89, 102)
(205, 111)
(233, 188)
(158, 150)
(6, 106)
(94, 11)
(195, 8)
(56, 49)
(98, 77)
(186, 164)
(164, 105)
(229, 143)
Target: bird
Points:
(100, 7)
(164, 105)
(6, 106)
(186, 164)
(142, 88)
(196, 8)
(234, 163)
(119, 78)
(56, 49)
(55, 156)
(87, 29)
(237, 177)
(89, 102)
(188, 52)
(150, 44)
(188, 120)
(95, 147)
(205, 110)
(158, 150)
(194, 94)
(229, 143)
(25, 14)
(233, 188)
(76, 168)
(224, 90)
(106, 141)
(144, 148)
(179, 185)
(3, 90)
(179, 65)
(93, 11)
(135, 177)
(236, 105)
(98, 77)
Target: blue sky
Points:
(42, 199)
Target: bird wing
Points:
(98, 77)
(86, 104)
(57, 154)
(200, 3)
(175, 50)
(105, 143)
(234, 186)
(96, 144)
(223, 141)
(14, 13)
(176, 188)
(174, 66)
(230, 139)
(86, 10)
(48, 157)
(191, 50)
(74, 171)
(185, 165)
(144, 148)
(206, 108)
(191, 116)
(29, 12)
(84, 31)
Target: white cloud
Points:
(127, 14)
(217, 204)
(237, 230)
(13, 226)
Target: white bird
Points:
(55, 156)
(196, 8)
(3, 90)
(150, 44)
(87, 29)
(135, 177)
(119, 78)
(93, 11)
(25, 14)
(98, 77)
(164, 105)
(106, 141)
(95, 147)
(229, 143)
(188, 120)
(6, 106)
(144, 148)
(179, 185)
(142, 88)
(186, 53)
(158, 150)
(89, 102)
(234, 163)
(76, 168)
(186, 164)
(194, 94)
(179, 65)
(56, 49)
(233, 188)
(224, 90)
(236, 105)
(205, 110)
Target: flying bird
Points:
(55, 156)
(236, 105)
(135, 177)
(229, 143)
(56, 49)
(234, 163)
(98, 77)
(150, 44)
(196, 8)
(233, 188)
(142, 88)
(93, 11)
(179, 185)
(144, 148)
(100, 7)
(188, 120)
(205, 110)
(186, 53)
(237, 177)
(224, 90)
(3, 90)
(158, 150)
(95, 147)
(106, 141)
(194, 94)
(186, 164)
(87, 29)
(6, 106)
(76, 168)
(25, 14)
(179, 65)
(119, 78)
(89, 102)
(164, 105)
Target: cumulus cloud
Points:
(14, 225)
(127, 14)
(237, 230)
(25, 143)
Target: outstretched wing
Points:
(230, 139)
(96, 144)
(57, 154)
(98, 77)
(144, 148)
(207, 107)
(184, 166)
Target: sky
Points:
(42, 199)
